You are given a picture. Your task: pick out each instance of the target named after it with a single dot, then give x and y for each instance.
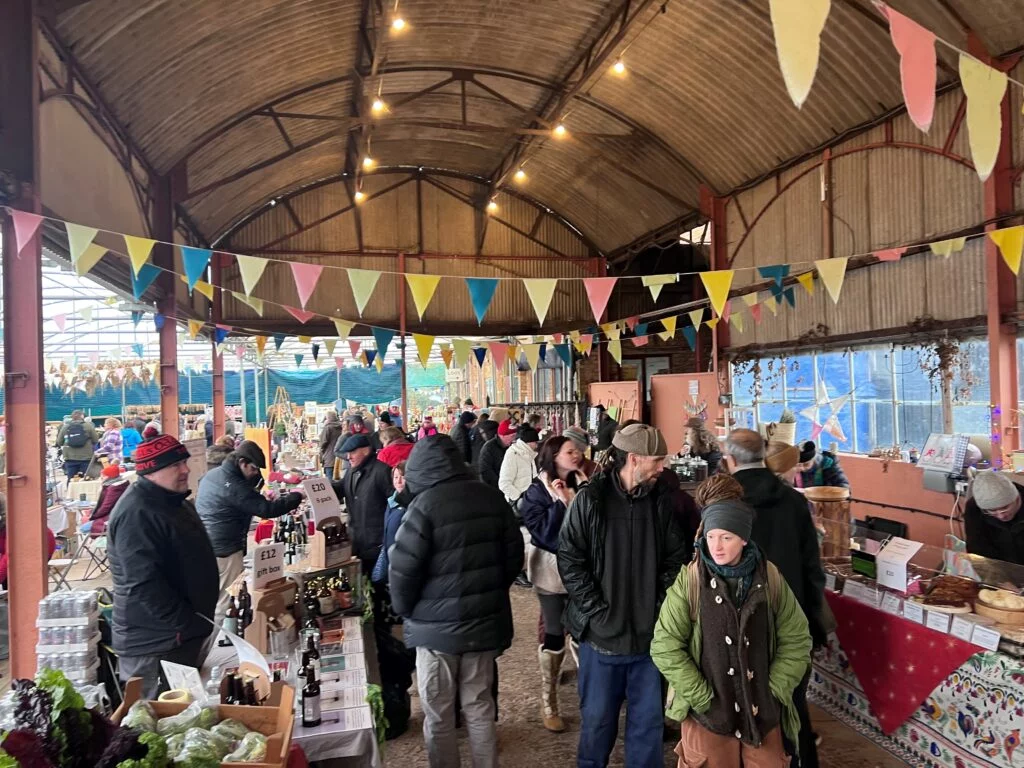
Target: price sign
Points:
(913, 611)
(860, 593)
(892, 563)
(985, 637)
(938, 621)
(962, 628)
(267, 564)
(322, 499)
(830, 582)
(891, 604)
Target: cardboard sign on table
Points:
(892, 562)
(267, 564)
(322, 500)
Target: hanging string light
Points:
(560, 132)
(378, 107)
(492, 207)
(359, 196)
(520, 176)
(368, 163)
(619, 67)
(398, 24)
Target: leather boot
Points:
(550, 664)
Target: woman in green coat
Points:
(733, 643)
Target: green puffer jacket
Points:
(676, 650)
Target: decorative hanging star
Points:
(830, 425)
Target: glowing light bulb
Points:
(368, 163)
(398, 24)
(378, 106)
(273, 203)
(520, 176)
(492, 207)
(359, 196)
(559, 131)
(619, 67)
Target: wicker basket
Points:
(782, 432)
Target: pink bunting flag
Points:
(587, 341)
(61, 321)
(557, 337)
(240, 351)
(755, 312)
(890, 254)
(640, 341)
(339, 361)
(727, 311)
(353, 347)
(25, 227)
(499, 352)
(300, 314)
(632, 321)
(599, 290)
(306, 277)
(916, 47)
(223, 327)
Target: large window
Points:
(894, 395)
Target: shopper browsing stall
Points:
(993, 523)
(702, 444)
(519, 465)
(365, 489)
(396, 447)
(492, 455)
(163, 567)
(328, 438)
(819, 468)
(77, 440)
(461, 435)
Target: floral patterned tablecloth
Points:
(973, 718)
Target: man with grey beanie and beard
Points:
(993, 523)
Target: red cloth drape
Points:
(897, 661)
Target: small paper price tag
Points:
(961, 628)
(891, 604)
(986, 638)
(830, 582)
(938, 621)
(913, 611)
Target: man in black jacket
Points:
(784, 530)
(488, 464)
(484, 430)
(365, 489)
(454, 559)
(460, 435)
(163, 567)
(606, 427)
(993, 523)
(619, 550)
(228, 498)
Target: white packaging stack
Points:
(69, 635)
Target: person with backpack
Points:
(733, 643)
(77, 440)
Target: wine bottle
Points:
(311, 700)
(313, 653)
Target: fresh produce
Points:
(156, 754)
(198, 738)
(252, 749)
(140, 717)
(231, 729)
(181, 722)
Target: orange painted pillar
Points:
(23, 335)
(217, 275)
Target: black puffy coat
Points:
(488, 464)
(484, 430)
(460, 436)
(164, 571)
(227, 502)
(455, 557)
(366, 490)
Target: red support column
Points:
(163, 256)
(23, 334)
(401, 326)
(217, 272)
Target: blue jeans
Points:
(329, 471)
(72, 468)
(605, 681)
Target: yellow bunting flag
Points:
(697, 317)
(305, 339)
(984, 88)
(750, 299)
(88, 258)
(363, 281)
(736, 318)
(798, 25)
(946, 247)
(139, 249)
(461, 347)
(362, 358)
(201, 285)
(110, 301)
(771, 305)
(540, 292)
(256, 305)
(712, 323)
(344, 328)
(656, 282)
(807, 281)
(611, 330)
(251, 270)
(670, 328)
(194, 327)
(446, 355)
(1011, 243)
(330, 344)
(79, 238)
(717, 285)
(574, 336)
(379, 362)
(833, 273)
(424, 343)
(615, 350)
(261, 343)
(532, 352)
(422, 287)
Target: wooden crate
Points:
(274, 719)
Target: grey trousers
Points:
(440, 675)
(229, 568)
(192, 654)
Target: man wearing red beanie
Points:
(164, 569)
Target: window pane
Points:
(771, 380)
(972, 419)
(973, 387)
(834, 372)
(771, 411)
(743, 384)
(917, 421)
(874, 425)
(800, 379)
(872, 370)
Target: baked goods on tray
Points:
(1002, 599)
(950, 592)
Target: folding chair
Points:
(58, 571)
(95, 548)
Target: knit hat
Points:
(731, 515)
(527, 434)
(578, 435)
(781, 457)
(808, 451)
(994, 490)
(252, 453)
(160, 452)
(467, 417)
(641, 439)
(385, 418)
(506, 428)
(150, 431)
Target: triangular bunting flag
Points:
(315, 350)
(499, 352)
(251, 269)
(339, 362)
(93, 253)
(832, 273)
(632, 321)
(278, 341)
(916, 47)
(587, 342)
(110, 301)
(717, 285)
(1010, 242)
(565, 353)
(446, 355)
(300, 314)
(481, 293)
(657, 282)
(363, 281)
(946, 247)
(79, 238)
(770, 304)
(25, 227)
(712, 323)
(353, 347)
(890, 254)
(669, 324)
(139, 350)
(984, 88)
(540, 291)
(690, 334)
(219, 335)
(240, 351)
(256, 305)
(86, 314)
(302, 339)
(544, 352)
(807, 281)
(755, 312)
(383, 337)
(737, 320)
(136, 317)
(640, 329)
(599, 290)
(261, 344)
(790, 297)
(329, 345)
(461, 347)
(776, 272)
(481, 354)
(159, 321)
(363, 359)
(798, 25)
(697, 317)
(139, 249)
(194, 327)
(379, 363)
(344, 328)
(195, 261)
(298, 360)
(60, 321)
(640, 341)
(424, 344)
(370, 355)
(615, 350)
(422, 288)
(750, 299)
(204, 288)
(532, 352)
(611, 330)
(306, 277)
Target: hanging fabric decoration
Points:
(750, 299)
(251, 269)
(363, 281)
(240, 351)
(298, 360)
(370, 355)
(984, 87)
(611, 330)
(300, 314)
(306, 277)
(1010, 242)
(60, 321)
(565, 353)
(422, 288)
(713, 322)
(832, 273)
(315, 349)
(353, 347)
(379, 364)
(540, 291)
(737, 320)
(344, 328)
(383, 337)
(139, 350)
(755, 312)
(90, 258)
(585, 344)
(110, 301)
(775, 272)
(499, 353)
(690, 334)
(461, 352)
(256, 305)
(25, 227)
(329, 345)
(261, 344)
(446, 355)
(481, 354)
(697, 317)
(219, 335)
(79, 238)
(86, 314)
(632, 321)
(363, 359)
(669, 324)
(195, 260)
(532, 352)
(278, 341)
(302, 339)
(424, 343)
(798, 25)
(717, 285)
(640, 329)
(599, 290)
(918, 75)
(615, 350)
(790, 297)
(656, 282)
(640, 341)
(139, 250)
(159, 321)
(544, 352)
(890, 254)
(807, 281)
(481, 293)
(136, 317)
(946, 247)
(339, 362)
(556, 338)
(194, 327)
(726, 312)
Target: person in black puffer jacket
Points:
(454, 559)
(483, 432)
(460, 435)
(488, 464)
(365, 489)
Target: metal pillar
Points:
(241, 390)
(256, 395)
(714, 208)
(217, 384)
(163, 256)
(23, 334)
(401, 327)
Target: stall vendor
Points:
(993, 523)
(818, 468)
